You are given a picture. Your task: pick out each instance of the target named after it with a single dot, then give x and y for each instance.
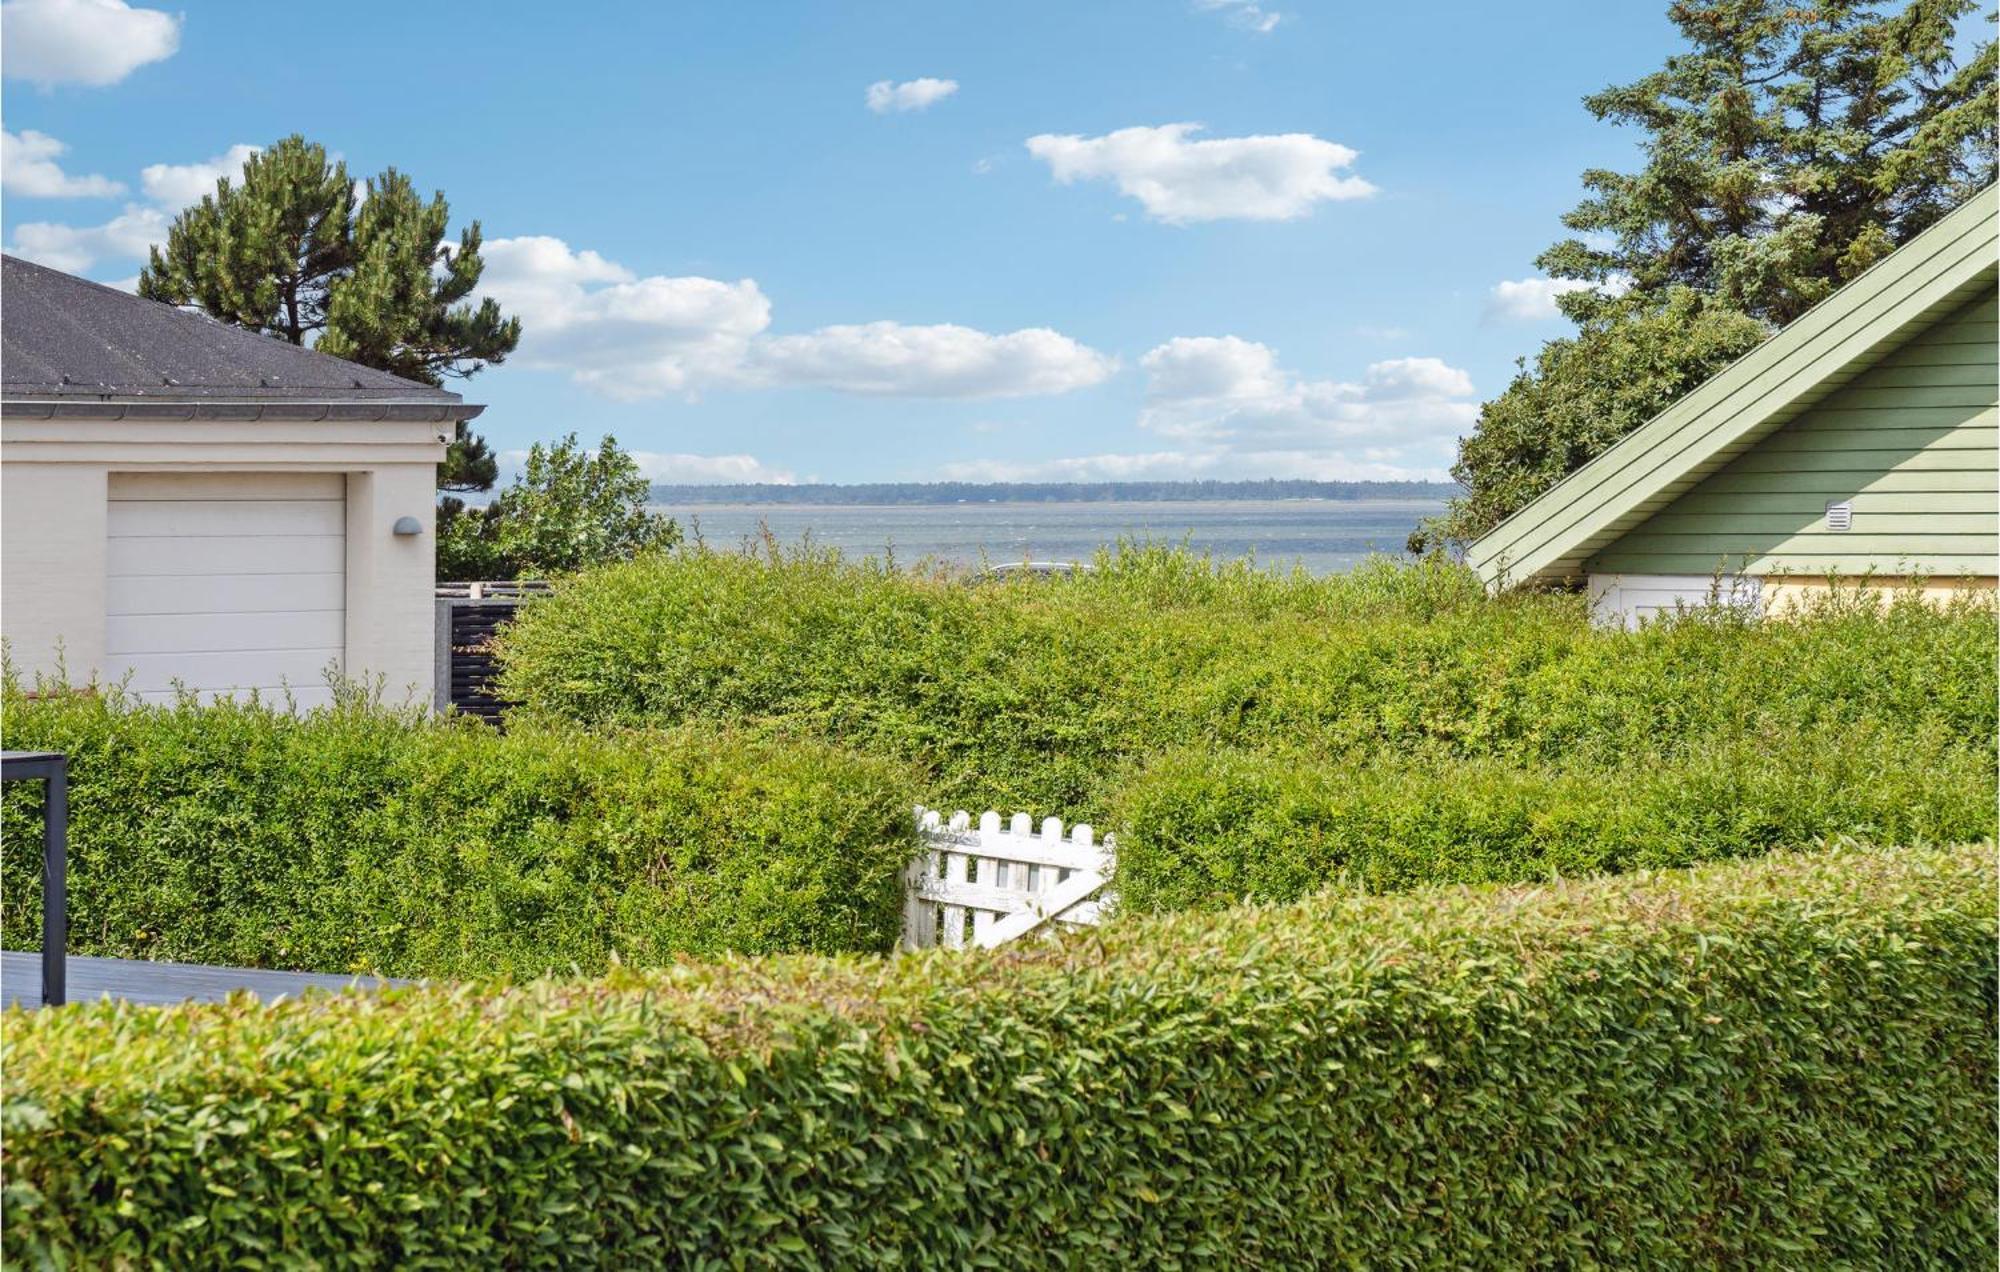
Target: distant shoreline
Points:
(952, 492)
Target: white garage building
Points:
(187, 503)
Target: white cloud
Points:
(1229, 391)
(1229, 397)
(622, 335)
(1181, 180)
(1190, 465)
(711, 470)
(917, 94)
(1529, 299)
(92, 42)
(894, 359)
(129, 235)
(1145, 466)
(73, 248)
(1243, 13)
(28, 168)
(631, 337)
(1234, 412)
(177, 185)
(671, 468)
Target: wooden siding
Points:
(1914, 442)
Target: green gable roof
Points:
(1838, 339)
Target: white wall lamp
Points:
(407, 526)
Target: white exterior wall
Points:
(54, 485)
(1627, 600)
(391, 579)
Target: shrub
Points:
(1787, 1063)
(1041, 694)
(1205, 829)
(361, 839)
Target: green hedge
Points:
(1039, 693)
(1781, 1064)
(1207, 829)
(368, 840)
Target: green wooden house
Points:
(1859, 441)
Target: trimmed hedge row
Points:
(1038, 693)
(361, 839)
(1206, 829)
(1784, 1063)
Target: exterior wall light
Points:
(407, 526)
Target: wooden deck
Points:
(138, 981)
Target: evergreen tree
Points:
(263, 252)
(403, 304)
(1792, 145)
(286, 251)
(468, 464)
(1789, 148)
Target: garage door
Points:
(226, 583)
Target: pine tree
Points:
(1793, 144)
(286, 251)
(468, 465)
(263, 252)
(403, 305)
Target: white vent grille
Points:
(1840, 515)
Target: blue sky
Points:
(728, 255)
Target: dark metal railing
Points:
(52, 771)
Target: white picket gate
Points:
(1002, 883)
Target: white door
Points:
(226, 583)
(1629, 600)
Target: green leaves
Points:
(285, 250)
(570, 508)
(1188, 706)
(1787, 148)
(358, 839)
(1551, 1076)
(1206, 828)
(1584, 393)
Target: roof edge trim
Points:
(239, 412)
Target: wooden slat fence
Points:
(468, 616)
(986, 886)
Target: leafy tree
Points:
(287, 252)
(466, 548)
(1583, 394)
(1789, 147)
(569, 508)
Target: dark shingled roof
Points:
(63, 337)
